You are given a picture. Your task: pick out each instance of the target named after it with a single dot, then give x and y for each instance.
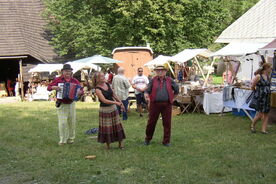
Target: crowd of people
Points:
(156, 94)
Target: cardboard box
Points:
(273, 100)
(176, 111)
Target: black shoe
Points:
(167, 145)
(141, 115)
(253, 130)
(146, 143)
(264, 132)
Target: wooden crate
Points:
(3, 90)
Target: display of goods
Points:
(196, 92)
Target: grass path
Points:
(205, 150)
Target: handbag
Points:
(254, 101)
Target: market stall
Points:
(243, 61)
(43, 73)
(194, 96)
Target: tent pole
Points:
(201, 71)
(170, 67)
(21, 79)
(208, 73)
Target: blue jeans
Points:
(125, 103)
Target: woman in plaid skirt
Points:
(110, 127)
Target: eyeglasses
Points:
(140, 71)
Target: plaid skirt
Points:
(110, 127)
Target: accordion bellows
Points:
(68, 91)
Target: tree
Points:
(88, 27)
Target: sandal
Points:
(253, 129)
(121, 147)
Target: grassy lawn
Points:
(205, 150)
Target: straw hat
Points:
(160, 67)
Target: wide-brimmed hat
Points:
(66, 67)
(160, 67)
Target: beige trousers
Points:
(66, 122)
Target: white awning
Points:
(79, 66)
(189, 54)
(160, 60)
(238, 49)
(46, 68)
(57, 67)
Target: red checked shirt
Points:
(61, 79)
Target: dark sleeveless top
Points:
(262, 93)
(108, 94)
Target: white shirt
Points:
(140, 82)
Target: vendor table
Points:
(241, 95)
(213, 103)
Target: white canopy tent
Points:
(97, 59)
(244, 52)
(160, 60)
(57, 67)
(79, 66)
(189, 54)
(46, 68)
(238, 49)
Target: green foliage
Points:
(88, 27)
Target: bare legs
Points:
(259, 116)
(265, 120)
(107, 146)
(121, 145)
(140, 109)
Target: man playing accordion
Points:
(66, 109)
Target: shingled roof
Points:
(22, 30)
(258, 24)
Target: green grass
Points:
(217, 79)
(205, 150)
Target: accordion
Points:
(68, 91)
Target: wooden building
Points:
(23, 39)
(133, 57)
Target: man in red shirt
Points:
(66, 109)
(160, 94)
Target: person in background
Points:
(10, 87)
(180, 75)
(139, 83)
(186, 71)
(110, 76)
(17, 88)
(121, 85)
(160, 94)
(261, 87)
(110, 127)
(66, 108)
